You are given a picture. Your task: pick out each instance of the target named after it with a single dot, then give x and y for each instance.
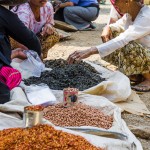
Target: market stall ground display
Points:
(42, 137)
(77, 115)
(79, 75)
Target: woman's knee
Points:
(68, 11)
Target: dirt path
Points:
(84, 39)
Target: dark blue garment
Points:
(5, 51)
(84, 3)
(4, 93)
(10, 25)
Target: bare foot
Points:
(18, 53)
(143, 86)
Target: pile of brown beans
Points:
(42, 137)
(77, 115)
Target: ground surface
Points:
(84, 39)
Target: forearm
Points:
(93, 50)
(66, 4)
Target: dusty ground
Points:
(84, 39)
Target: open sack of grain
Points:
(87, 77)
(42, 137)
(11, 116)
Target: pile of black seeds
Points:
(79, 75)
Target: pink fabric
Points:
(113, 3)
(26, 15)
(10, 76)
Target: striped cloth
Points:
(10, 76)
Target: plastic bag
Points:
(40, 95)
(33, 63)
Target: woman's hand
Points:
(18, 53)
(47, 30)
(78, 55)
(106, 34)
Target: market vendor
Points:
(128, 46)
(38, 16)
(10, 25)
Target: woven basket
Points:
(12, 2)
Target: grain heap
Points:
(42, 137)
(34, 108)
(80, 75)
(77, 115)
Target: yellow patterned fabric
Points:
(132, 59)
(48, 42)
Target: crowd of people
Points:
(126, 37)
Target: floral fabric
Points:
(132, 59)
(26, 15)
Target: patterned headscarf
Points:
(113, 3)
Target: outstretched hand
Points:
(79, 55)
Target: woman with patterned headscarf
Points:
(127, 42)
(115, 14)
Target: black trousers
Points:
(10, 25)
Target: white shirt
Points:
(138, 30)
(113, 14)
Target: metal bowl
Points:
(32, 118)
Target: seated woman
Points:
(115, 15)
(78, 13)
(37, 15)
(11, 26)
(130, 47)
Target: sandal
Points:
(136, 79)
(90, 28)
(64, 26)
(141, 88)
